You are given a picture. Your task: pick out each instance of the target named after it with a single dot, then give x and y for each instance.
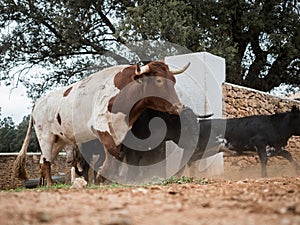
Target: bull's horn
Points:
(141, 70)
(205, 116)
(181, 70)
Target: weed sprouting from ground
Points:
(170, 180)
(181, 180)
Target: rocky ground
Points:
(231, 198)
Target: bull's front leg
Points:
(112, 153)
(45, 173)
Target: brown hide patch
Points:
(110, 103)
(67, 92)
(56, 137)
(58, 118)
(109, 143)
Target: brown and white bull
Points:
(104, 105)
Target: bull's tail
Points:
(20, 162)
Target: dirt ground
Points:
(231, 198)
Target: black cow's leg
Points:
(262, 153)
(112, 152)
(288, 156)
(132, 159)
(187, 159)
(153, 163)
(86, 160)
(109, 170)
(97, 165)
(85, 166)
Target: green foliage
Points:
(62, 39)
(66, 40)
(7, 134)
(12, 136)
(260, 40)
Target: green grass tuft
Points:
(176, 180)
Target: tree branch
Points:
(107, 22)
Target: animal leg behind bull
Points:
(285, 154)
(85, 170)
(96, 167)
(112, 152)
(45, 173)
(152, 164)
(132, 159)
(260, 147)
(108, 171)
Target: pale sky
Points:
(14, 103)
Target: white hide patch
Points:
(102, 120)
(118, 127)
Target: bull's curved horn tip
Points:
(181, 70)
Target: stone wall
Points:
(237, 102)
(240, 101)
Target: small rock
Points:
(43, 217)
(79, 183)
(114, 220)
(140, 190)
(157, 202)
(283, 210)
(266, 190)
(285, 221)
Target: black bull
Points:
(265, 134)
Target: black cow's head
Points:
(295, 120)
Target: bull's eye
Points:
(159, 82)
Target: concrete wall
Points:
(237, 102)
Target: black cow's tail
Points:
(20, 162)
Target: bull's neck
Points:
(135, 112)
